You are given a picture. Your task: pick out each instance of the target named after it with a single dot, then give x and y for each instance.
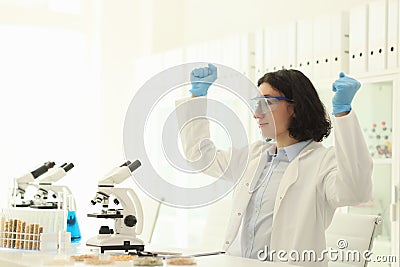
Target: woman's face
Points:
(274, 124)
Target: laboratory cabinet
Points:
(377, 107)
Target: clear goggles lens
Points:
(261, 105)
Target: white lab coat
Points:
(314, 184)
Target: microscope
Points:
(47, 189)
(23, 182)
(48, 197)
(128, 221)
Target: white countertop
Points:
(20, 258)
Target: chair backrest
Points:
(351, 232)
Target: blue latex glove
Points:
(345, 88)
(202, 78)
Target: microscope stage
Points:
(107, 216)
(116, 242)
(24, 205)
(48, 205)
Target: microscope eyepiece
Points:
(68, 167)
(133, 166)
(42, 169)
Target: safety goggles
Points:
(265, 104)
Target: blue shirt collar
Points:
(291, 152)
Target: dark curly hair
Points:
(311, 120)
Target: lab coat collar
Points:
(287, 181)
(292, 169)
(266, 156)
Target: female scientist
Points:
(289, 200)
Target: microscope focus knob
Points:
(130, 220)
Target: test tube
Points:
(26, 236)
(6, 230)
(18, 235)
(40, 239)
(36, 236)
(2, 222)
(31, 234)
(14, 234)
(23, 229)
(9, 239)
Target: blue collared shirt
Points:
(257, 222)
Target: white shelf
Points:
(382, 161)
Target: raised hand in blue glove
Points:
(201, 79)
(345, 88)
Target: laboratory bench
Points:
(21, 258)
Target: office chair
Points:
(351, 232)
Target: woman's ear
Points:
(290, 109)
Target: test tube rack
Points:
(27, 229)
